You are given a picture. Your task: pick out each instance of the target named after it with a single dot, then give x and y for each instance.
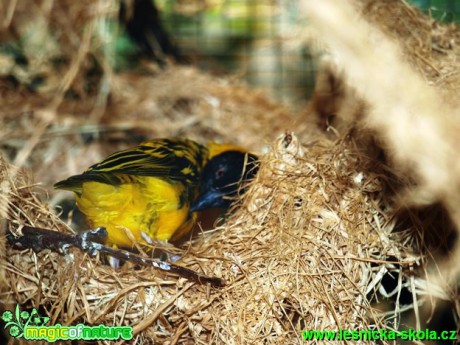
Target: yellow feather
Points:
(216, 149)
(146, 190)
(150, 205)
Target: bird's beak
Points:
(210, 199)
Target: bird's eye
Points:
(220, 173)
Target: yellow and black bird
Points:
(155, 189)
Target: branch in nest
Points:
(39, 239)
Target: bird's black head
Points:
(222, 177)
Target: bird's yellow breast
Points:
(148, 205)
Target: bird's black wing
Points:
(178, 160)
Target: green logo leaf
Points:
(20, 319)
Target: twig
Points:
(39, 239)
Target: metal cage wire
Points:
(256, 39)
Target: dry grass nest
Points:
(299, 253)
(325, 219)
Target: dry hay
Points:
(203, 109)
(94, 114)
(386, 73)
(300, 253)
(429, 47)
(416, 121)
(301, 250)
(314, 234)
